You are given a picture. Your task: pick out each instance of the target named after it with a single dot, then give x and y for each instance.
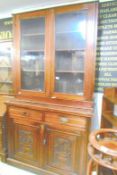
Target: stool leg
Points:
(90, 167)
(97, 169)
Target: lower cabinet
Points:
(63, 151)
(50, 141)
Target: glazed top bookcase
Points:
(53, 68)
(55, 53)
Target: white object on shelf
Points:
(115, 110)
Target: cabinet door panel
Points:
(24, 143)
(31, 47)
(70, 43)
(62, 152)
(73, 56)
(32, 54)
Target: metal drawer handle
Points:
(64, 120)
(25, 113)
(53, 97)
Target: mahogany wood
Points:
(49, 93)
(47, 130)
(34, 135)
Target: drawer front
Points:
(15, 112)
(66, 120)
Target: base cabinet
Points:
(62, 151)
(53, 141)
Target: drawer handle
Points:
(53, 97)
(63, 120)
(25, 113)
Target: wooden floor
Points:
(6, 169)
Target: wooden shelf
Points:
(61, 50)
(111, 99)
(6, 82)
(32, 50)
(72, 72)
(7, 40)
(110, 117)
(5, 67)
(27, 70)
(57, 50)
(67, 32)
(109, 120)
(33, 34)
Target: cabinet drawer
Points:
(63, 119)
(15, 112)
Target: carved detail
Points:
(62, 152)
(25, 143)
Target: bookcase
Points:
(53, 73)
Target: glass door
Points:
(30, 63)
(74, 33)
(70, 42)
(32, 54)
(70, 46)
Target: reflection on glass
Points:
(5, 67)
(70, 43)
(32, 54)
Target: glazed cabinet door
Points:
(63, 151)
(31, 54)
(24, 142)
(74, 45)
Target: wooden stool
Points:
(102, 149)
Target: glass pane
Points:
(32, 54)
(5, 68)
(70, 43)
